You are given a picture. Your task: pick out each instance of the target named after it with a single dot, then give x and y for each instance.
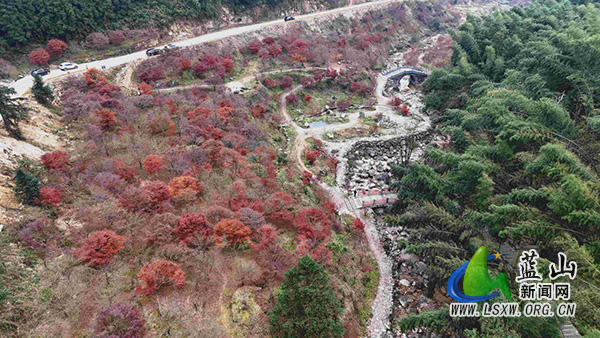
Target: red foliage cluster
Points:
(151, 197)
(56, 47)
(286, 82)
(269, 82)
(107, 89)
(125, 172)
(227, 64)
(267, 234)
(151, 72)
(307, 82)
(311, 156)
(116, 37)
(343, 104)
(290, 98)
(313, 229)
(158, 273)
(329, 207)
(50, 196)
(396, 102)
(233, 230)
(306, 177)
(39, 56)
(145, 89)
(358, 87)
(157, 192)
(182, 63)
(298, 58)
(161, 125)
(257, 110)
(94, 79)
(56, 160)
(307, 98)
(405, 111)
(100, 247)
(358, 226)
(312, 223)
(191, 225)
(184, 185)
(268, 40)
(331, 73)
(153, 164)
(105, 119)
(332, 163)
(254, 46)
(318, 75)
(277, 210)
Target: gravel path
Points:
(382, 305)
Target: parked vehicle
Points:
(289, 18)
(153, 51)
(40, 72)
(169, 47)
(67, 66)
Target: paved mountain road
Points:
(22, 86)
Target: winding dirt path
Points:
(382, 305)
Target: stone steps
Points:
(569, 331)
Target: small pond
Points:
(317, 124)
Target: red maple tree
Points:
(331, 73)
(145, 89)
(50, 196)
(306, 177)
(105, 119)
(405, 111)
(358, 226)
(258, 110)
(227, 64)
(311, 156)
(191, 225)
(100, 247)
(267, 235)
(153, 164)
(312, 224)
(39, 56)
(286, 82)
(158, 273)
(93, 78)
(254, 46)
(156, 192)
(56, 47)
(182, 63)
(56, 160)
(233, 230)
(184, 185)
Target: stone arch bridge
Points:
(417, 75)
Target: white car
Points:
(67, 66)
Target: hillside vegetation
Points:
(178, 213)
(520, 103)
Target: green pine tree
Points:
(11, 111)
(27, 187)
(306, 306)
(42, 93)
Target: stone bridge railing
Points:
(370, 199)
